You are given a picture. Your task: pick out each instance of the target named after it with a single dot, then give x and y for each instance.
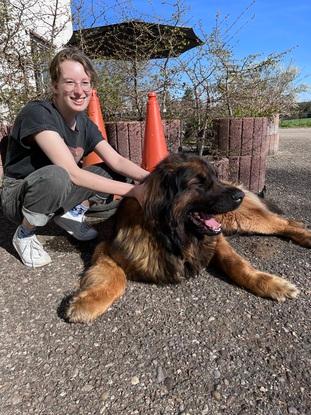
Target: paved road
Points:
(203, 347)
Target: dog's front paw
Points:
(275, 287)
(80, 310)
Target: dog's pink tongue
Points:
(212, 224)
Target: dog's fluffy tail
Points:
(102, 284)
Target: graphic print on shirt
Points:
(77, 153)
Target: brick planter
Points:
(127, 137)
(222, 167)
(244, 142)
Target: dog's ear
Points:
(163, 186)
(165, 182)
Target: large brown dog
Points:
(177, 233)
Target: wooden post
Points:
(273, 135)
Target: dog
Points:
(179, 231)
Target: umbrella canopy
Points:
(135, 40)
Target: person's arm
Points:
(57, 151)
(118, 163)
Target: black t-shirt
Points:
(23, 158)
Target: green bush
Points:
(296, 123)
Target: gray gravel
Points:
(203, 347)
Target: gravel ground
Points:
(202, 347)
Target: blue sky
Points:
(266, 26)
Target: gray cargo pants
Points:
(47, 192)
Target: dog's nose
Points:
(238, 196)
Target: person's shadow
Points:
(56, 239)
(7, 230)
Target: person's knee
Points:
(59, 178)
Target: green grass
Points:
(298, 123)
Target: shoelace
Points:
(35, 249)
(80, 211)
(77, 211)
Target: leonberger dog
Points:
(178, 232)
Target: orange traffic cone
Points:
(155, 148)
(95, 114)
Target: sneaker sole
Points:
(79, 239)
(71, 233)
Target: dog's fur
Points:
(176, 234)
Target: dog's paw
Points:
(79, 310)
(303, 239)
(299, 233)
(276, 288)
(306, 242)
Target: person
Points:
(43, 173)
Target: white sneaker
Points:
(73, 223)
(30, 250)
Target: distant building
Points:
(30, 31)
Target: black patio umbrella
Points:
(135, 40)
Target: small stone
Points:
(292, 410)
(160, 375)
(16, 400)
(168, 382)
(104, 396)
(205, 411)
(181, 408)
(87, 388)
(75, 373)
(216, 374)
(135, 380)
(216, 395)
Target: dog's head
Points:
(183, 196)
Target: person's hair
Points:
(71, 54)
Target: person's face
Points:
(72, 92)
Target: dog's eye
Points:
(198, 180)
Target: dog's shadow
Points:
(215, 272)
